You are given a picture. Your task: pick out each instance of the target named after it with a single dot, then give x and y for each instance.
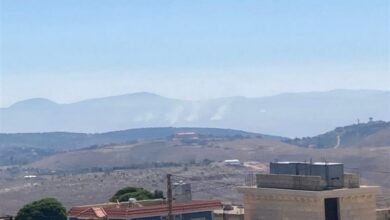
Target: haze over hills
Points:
(292, 114)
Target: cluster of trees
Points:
(126, 193)
(51, 209)
(44, 209)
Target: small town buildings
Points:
(309, 191)
(146, 210)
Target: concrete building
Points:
(309, 191)
(383, 214)
(182, 192)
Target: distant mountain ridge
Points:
(371, 134)
(290, 114)
(65, 140)
(22, 148)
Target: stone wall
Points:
(282, 204)
(284, 181)
(351, 180)
(357, 206)
(383, 214)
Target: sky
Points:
(70, 50)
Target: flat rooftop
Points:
(309, 193)
(314, 163)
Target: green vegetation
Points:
(44, 209)
(124, 194)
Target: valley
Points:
(90, 174)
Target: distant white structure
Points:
(233, 162)
(30, 176)
(187, 135)
(182, 192)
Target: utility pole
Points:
(169, 196)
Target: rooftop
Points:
(310, 193)
(313, 163)
(141, 208)
(307, 176)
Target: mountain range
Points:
(289, 114)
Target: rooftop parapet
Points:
(331, 174)
(307, 176)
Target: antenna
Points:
(327, 173)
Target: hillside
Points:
(91, 174)
(149, 153)
(23, 148)
(67, 140)
(372, 163)
(306, 114)
(374, 133)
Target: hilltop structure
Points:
(310, 191)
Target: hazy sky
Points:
(68, 50)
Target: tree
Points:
(126, 193)
(158, 194)
(44, 209)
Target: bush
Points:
(44, 209)
(126, 193)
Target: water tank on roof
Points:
(331, 173)
(182, 191)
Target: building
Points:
(182, 191)
(383, 214)
(229, 212)
(233, 162)
(186, 136)
(146, 210)
(310, 191)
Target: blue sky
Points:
(68, 50)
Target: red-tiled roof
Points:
(90, 212)
(126, 210)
